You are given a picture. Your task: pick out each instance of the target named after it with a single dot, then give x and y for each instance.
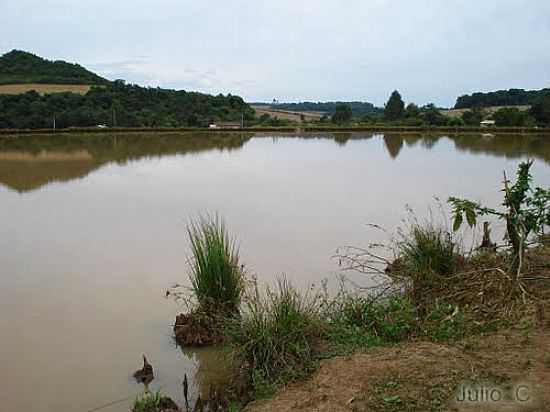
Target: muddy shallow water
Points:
(92, 233)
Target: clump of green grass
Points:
(216, 275)
(428, 250)
(276, 335)
(389, 321)
(152, 402)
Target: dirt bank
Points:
(423, 376)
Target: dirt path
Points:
(423, 376)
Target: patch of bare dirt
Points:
(423, 376)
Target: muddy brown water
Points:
(92, 233)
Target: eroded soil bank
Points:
(420, 376)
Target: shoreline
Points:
(297, 129)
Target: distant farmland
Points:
(44, 88)
(287, 114)
(487, 111)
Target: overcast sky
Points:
(293, 50)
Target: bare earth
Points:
(287, 114)
(44, 88)
(486, 110)
(423, 376)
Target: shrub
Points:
(526, 212)
(216, 276)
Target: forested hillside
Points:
(23, 67)
(121, 105)
(511, 97)
(109, 103)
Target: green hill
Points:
(111, 103)
(511, 97)
(18, 67)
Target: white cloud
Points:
(359, 49)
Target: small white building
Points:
(487, 123)
(226, 125)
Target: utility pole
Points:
(242, 120)
(54, 122)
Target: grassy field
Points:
(287, 114)
(486, 110)
(44, 88)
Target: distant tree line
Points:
(512, 97)
(397, 113)
(23, 67)
(359, 109)
(121, 105)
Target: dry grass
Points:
(44, 88)
(487, 111)
(287, 114)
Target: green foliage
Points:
(510, 117)
(395, 107)
(22, 67)
(472, 117)
(342, 114)
(456, 122)
(267, 120)
(540, 110)
(512, 97)
(389, 321)
(276, 334)
(216, 276)
(446, 322)
(427, 250)
(121, 105)
(526, 211)
(149, 402)
(359, 109)
(432, 116)
(412, 110)
(110, 103)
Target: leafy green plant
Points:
(526, 211)
(216, 276)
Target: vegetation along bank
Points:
(438, 321)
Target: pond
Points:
(93, 232)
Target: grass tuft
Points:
(152, 402)
(276, 335)
(216, 276)
(428, 250)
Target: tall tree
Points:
(541, 109)
(412, 110)
(395, 107)
(342, 114)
